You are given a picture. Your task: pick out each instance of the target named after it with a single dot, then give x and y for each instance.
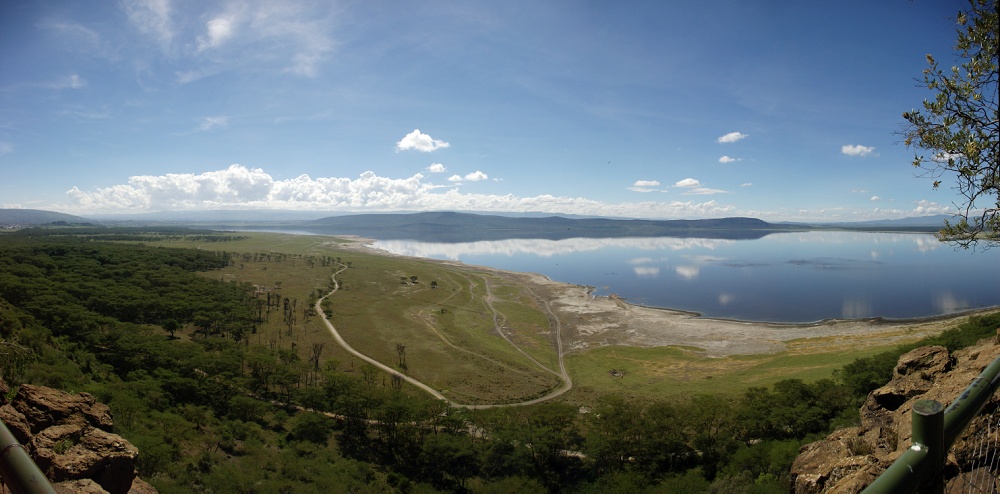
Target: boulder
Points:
(70, 438)
(44, 407)
(849, 459)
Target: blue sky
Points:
(653, 109)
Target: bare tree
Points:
(401, 352)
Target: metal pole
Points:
(967, 405)
(17, 469)
(925, 456)
(928, 432)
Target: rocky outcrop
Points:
(850, 459)
(71, 440)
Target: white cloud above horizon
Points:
(436, 168)
(645, 186)
(240, 187)
(856, 150)
(727, 159)
(475, 176)
(732, 137)
(421, 142)
(217, 31)
(694, 187)
(646, 183)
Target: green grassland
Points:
(439, 312)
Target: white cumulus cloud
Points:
(241, 187)
(727, 159)
(217, 31)
(875, 198)
(732, 137)
(475, 176)
(420, 141)
(694, 187)
(925, 207)
(437, 168)
(644, 186)
(945, 157)
(856, 150)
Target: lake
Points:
(782, 277)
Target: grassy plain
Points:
(449, 317)
(442, 315)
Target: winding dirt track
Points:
(553, 321)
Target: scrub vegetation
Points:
(208, 350)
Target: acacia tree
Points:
(959, 127)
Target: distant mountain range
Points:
(449, 226)
(26, 217)
(934, 222)
(462, 227)
(215, 216)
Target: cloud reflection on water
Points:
(646, 271)
(688, 272)
(542, 247)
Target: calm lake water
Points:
(785, 277)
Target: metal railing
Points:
(935, 429)
(19, 472)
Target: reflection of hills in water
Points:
(463, 227)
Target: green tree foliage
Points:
(959, 126)
(312, 427)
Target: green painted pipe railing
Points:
(935, 429)
(19, 472)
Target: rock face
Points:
(70, 438)
(850, 459)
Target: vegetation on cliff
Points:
(212, 406)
